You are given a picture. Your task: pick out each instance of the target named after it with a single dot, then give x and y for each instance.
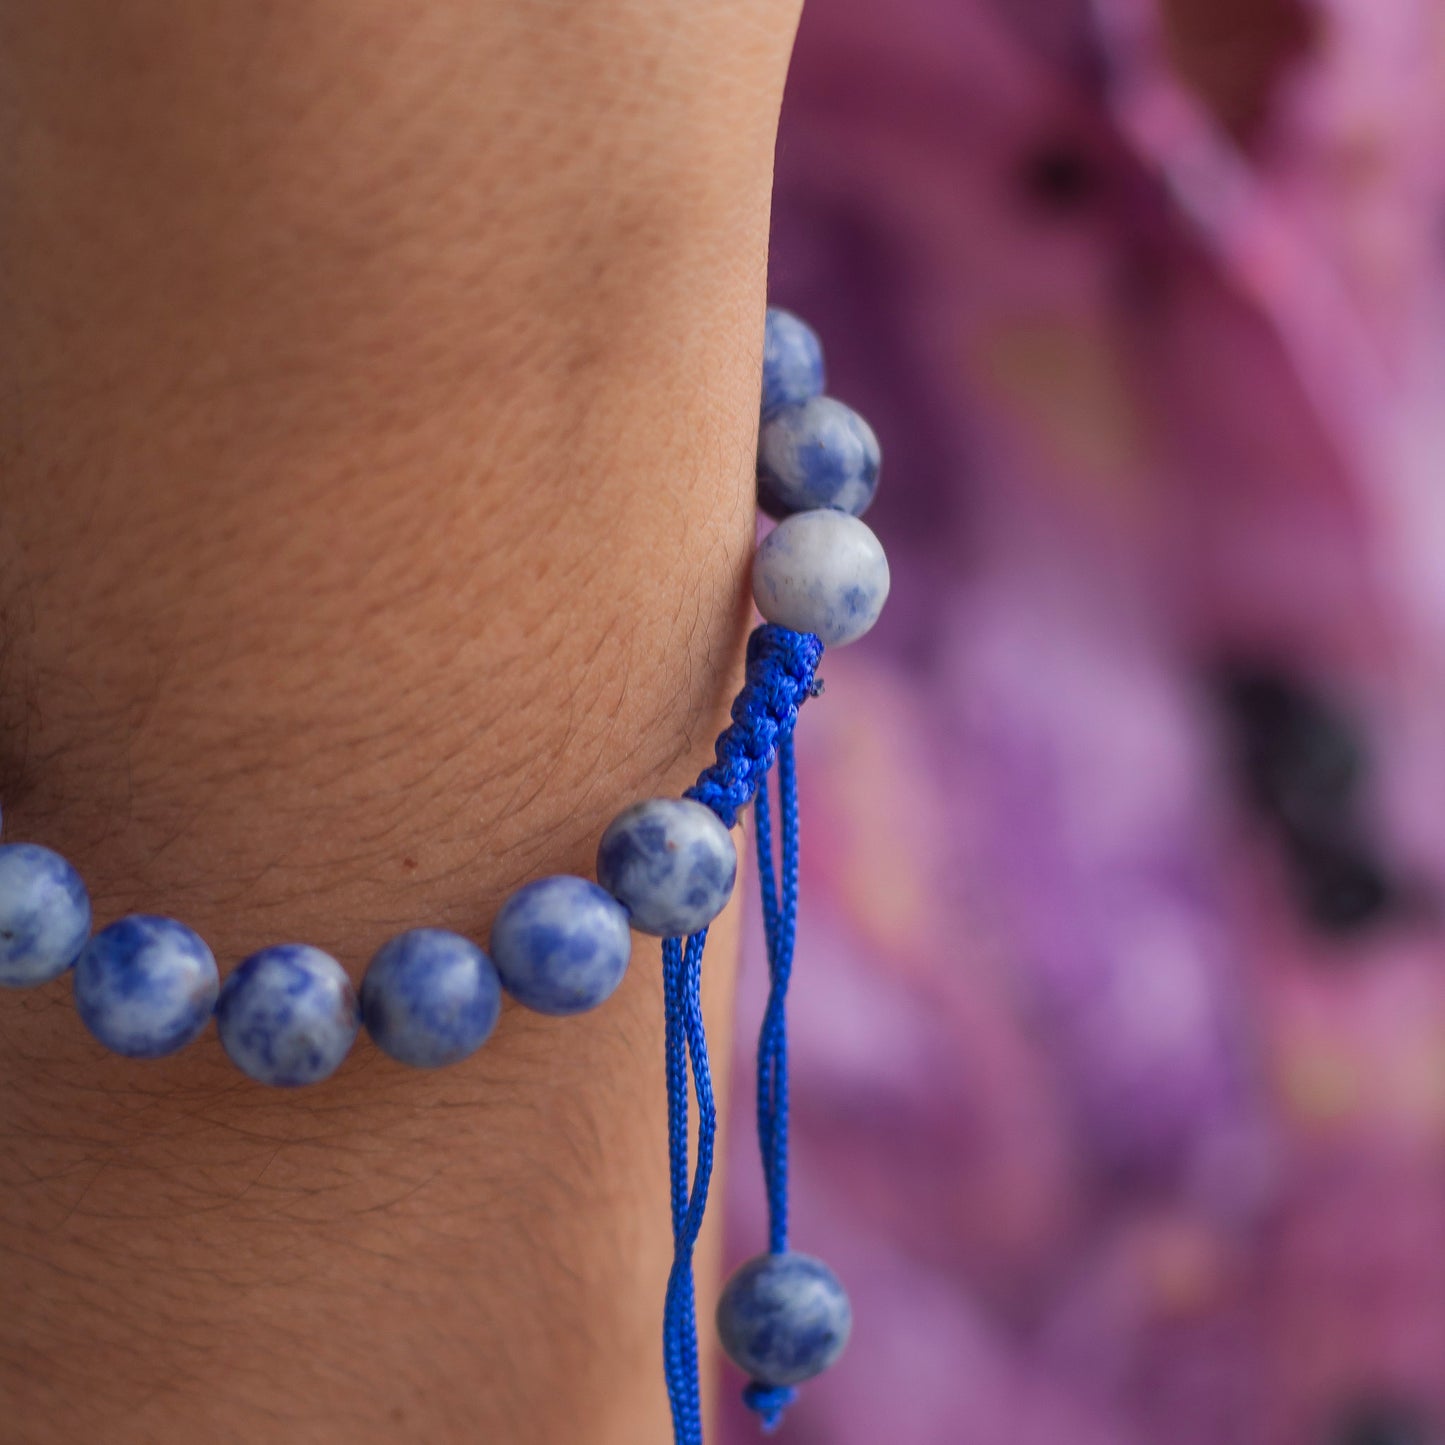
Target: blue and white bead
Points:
(783, 1318)
(821, 572)
(817, 453)
(430, 998)
(792, 361)
(146, 986)
(288, 1015)
(561, 945)
(44, 915)
(670, 863)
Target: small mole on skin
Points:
(408, 862)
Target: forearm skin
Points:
(378, 394)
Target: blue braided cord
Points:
(781, 675)
(686, 1046)
(769, 1402)
(706, 1139)
(676, 1054)
(767, 869)
(780, 918)
(773, 1036)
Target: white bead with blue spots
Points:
(288, 1015)
(44, 915)
(561, 945)
(146, 986)
(430, 998)
(792, 361)
(821, 572)
(817, 453)
(670, 863)
(783, 1318)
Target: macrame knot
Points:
(781, 675)
(768, 1402)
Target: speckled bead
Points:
(817, 453)
(670, 863)
(783, 1318)
(792, 361)
(561, 945)
(821, 572)
(430, 998)
(288, 1015)
(146, 986)
(44, 915)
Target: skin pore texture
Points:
(378, 404)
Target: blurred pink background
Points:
(1119, 1023)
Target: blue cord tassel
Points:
(780, 923)
(686, 1049)
(781, 676)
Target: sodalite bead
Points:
(817, 453)
(821, 572)
(561, 945)
(670, 863)
(288, 1015)
(44, 915)
(430, 998)
(792, 360)
(146, 986)
(783, 1318)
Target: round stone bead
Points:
(670, 863)
(146, 986)
(561, 945)
(288, 1015)
(44, 915)
(821, 572)
(783, 1318)
(792, 360)
(817, 453)
(430, 998)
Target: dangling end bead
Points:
(782, 1319)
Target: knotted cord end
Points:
(781, 675)
(769, 1402)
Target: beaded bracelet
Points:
(146, 986)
